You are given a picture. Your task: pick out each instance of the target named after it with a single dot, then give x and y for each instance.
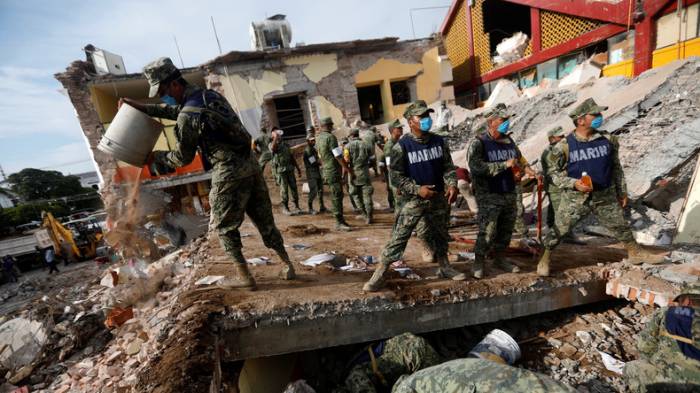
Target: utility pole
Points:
(2, 173)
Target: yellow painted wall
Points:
(385, 71)
(679, 51)
(325, 108)
(317, 66)
(250, 92)
(660, 58)
(623, 68)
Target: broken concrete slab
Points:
(21, 341)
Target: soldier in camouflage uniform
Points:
(371, 139)
(403, 354)
(313, 173)
(595, 152)
(207, 123)
(261, 146)
(356, 154)
(284, 164)
(332, 162)
(669, 347)
(422, 169)
(491, 157)
(395, 132)
(553, 193)
(477, 375)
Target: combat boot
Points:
(368, 219)
(285, 211)
(479, 270)
(312, 211)
(447, 271)
(503, 263)
(377, 281)
(543, 265)
(297, 209)
(244, 279)
(342, 226)
(287, 272)
(636, 255)
(322, 209)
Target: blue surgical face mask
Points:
(597, 122)
(503, 128)
(426, 123)
(170, 100)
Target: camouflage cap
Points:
(691, 289)
(588, 107)
(158, 71)
(327, 121)
(417, 108)
(556, 131)
(354, 131)
(500, 110)
(395, 124)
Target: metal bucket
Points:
(499, 343)
(131, 136)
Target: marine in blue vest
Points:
(588, 149)
(669, 348)
(423, 172)
(492, 158)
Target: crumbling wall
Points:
(326, 81)
(75, 80)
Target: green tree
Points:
(32, 184)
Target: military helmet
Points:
(556, 131)
(327, 121)
(158, 71)
(395, 124)
(500, 110)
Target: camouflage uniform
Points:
(552, 191)
(403, 354)
(390, 191)
(313, 176)
(370, 138)
(433, 212)
(326, 143)
(207, 123)
(574, 205)
(477, 375)
(497, 211)
(663, 365)
(520, 228)
(356, 153)
(282, 161)
(263, 142)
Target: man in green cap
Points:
(312, 165)
(332, 163)
(555, 135)
(395, 132)
(207, 123)
(669, 348)
(261, 146)
(284, 164)
(356, 154)
(592, 152)
(422, 170)
(496, 167)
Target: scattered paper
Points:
(611, 363)
(319, 259)
(362, 239)
(300, 246)
(208, 280)
(258, 261)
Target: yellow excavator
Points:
(82, 247)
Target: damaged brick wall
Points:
(75, 80)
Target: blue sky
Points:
(38, 125)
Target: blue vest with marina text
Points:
(593, 157)
(424, 162)
(502, 183)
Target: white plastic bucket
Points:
(498, 343)
(131, 136)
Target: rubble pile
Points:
(579, 353)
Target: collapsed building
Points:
(187, 334)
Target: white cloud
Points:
(68, 158)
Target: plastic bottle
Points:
(585, 179)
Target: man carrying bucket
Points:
(207, 123)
